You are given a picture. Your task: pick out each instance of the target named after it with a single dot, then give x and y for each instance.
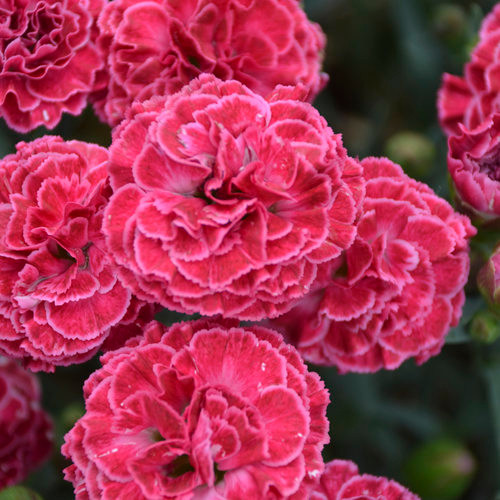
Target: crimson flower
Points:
(342, 481)
(59, 294)
(25, 429)
(49, 60)
(155, 47)
(226, 202)
(202, 410)
(400, 286)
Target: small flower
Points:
(59, 294)
(156, 47)
(226, 202)
(200, 410)
(399, 288)
(49, 60)
(25, 429)
(342, 481)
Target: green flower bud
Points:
(485, 327)
(440, 470)
(414, 152)
(488, 281)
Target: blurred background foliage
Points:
(435, 428)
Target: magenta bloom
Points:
(474, 165)
(470, 100)
(200, 410)
(59, 294)
(25, 429)
(342, 481)
(155, 47)
(400, 286)
(226, 202)
(48, 60)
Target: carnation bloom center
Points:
(490, 164)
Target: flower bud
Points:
(488, 280)
(413, 151)
(449, 21)
(440, 469)
(485, 327)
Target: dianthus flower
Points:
(59, 294)
(225, 202)
(342, 481)
(48, 60)
(400, 286)
(25, 429)
(200, 410)
(470, 100)
(474, 165)
(158, 46)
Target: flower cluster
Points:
(200, 410)
(224, 193)
(226, 202)
(25, 429)
(156, 47)
(49, 60)
(399, 287)
(342, 481)
(469, 112)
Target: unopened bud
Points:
(440, 469)
(485, 327)
(488, 281)
(449, 21)
(414, 152)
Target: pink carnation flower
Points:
(474, 165)
(59, 294)
(158, 46)
(226, 202)
(471, 99)
(342, 481)
(49, 60)
(25, 429)
(400, 286)
(200, 410)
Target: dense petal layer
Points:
(342, 481)
(200, 410)
(400, 286)
(49, 60)
(156, 47)
(26, 431)
(59, 294)
(226, 202)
